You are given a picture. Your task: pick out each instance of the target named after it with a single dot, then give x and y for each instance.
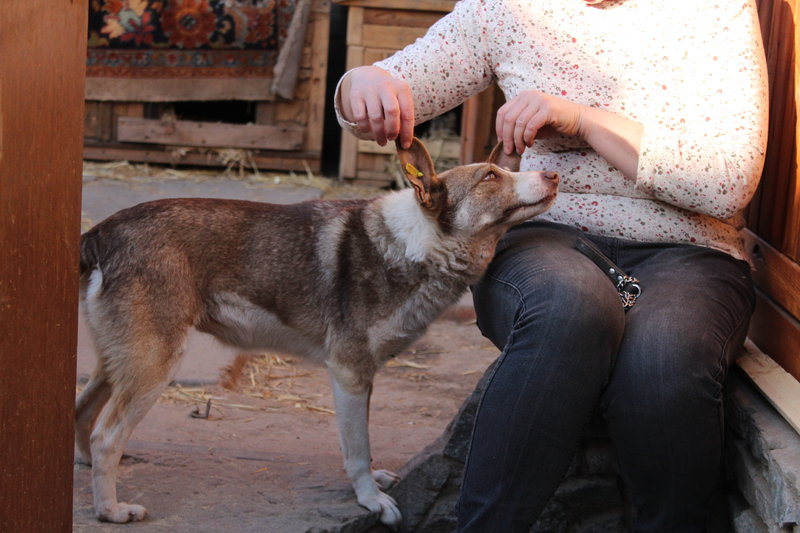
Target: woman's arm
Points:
(433, 75)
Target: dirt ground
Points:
(260, 454)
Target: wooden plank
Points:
(443, 148)
(375, 177)
(42, 67)
(399, 17)
(209, 134)
(265, 161)
(419, 5)
(390, 37)
(780, 388)
(374, 165)
(348, 155)
(129, 109)
(320, 33)
(178, 89)
(98, 123)
(373, 55)
(124, 109)
(776, 206)
(371, 147)
(792, 239)
(380, 183)
(777, 333)
(265, 112)
(774, 273)
(348, 149)
(784, 118)
(477, 121)
(355, 26)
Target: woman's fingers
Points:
(521, 119)
(406, 131)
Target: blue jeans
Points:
(568, 348)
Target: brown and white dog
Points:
(350, 283)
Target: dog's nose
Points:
(551, 176)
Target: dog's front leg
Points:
(352, 416)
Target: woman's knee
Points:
(675, 371)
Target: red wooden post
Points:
(42, 58)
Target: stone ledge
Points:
(762, 460)
(763, 453)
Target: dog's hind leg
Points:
(140, 374)
(352, 416)
(87, 408)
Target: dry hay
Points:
(265, 379)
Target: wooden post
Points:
(42, 67)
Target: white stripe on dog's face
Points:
(409, 224)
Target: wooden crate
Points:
(283, 135)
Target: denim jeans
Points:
(568, 348)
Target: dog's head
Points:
(480, 197)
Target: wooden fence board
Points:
(209, 134)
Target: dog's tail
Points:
(90, 252)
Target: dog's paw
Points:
(122, 513)
(385, 504)
(385, 479)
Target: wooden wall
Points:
(123, 121)
(774, 214)
(42, 55)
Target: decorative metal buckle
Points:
(629, 290)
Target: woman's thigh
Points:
(685, 328)
(663, 402)
(558, 321)
(538, 278)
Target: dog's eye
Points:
(491, 176)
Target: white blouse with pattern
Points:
(691, 71)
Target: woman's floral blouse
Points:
(692, 71)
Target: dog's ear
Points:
(417, 166)
(503, 160)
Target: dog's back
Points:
(207, 263)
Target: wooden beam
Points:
(777, 333)
(209, 134)
(178, 89)
(398, 17)
(396, 37)
(355, 25)
(265, 161)
(778, 386)
(42, 67)
(418, 5)
(477, 121)
(774, 273)
(319, 36)
(371, 147)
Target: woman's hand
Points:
(531, 114)
(379, 104)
